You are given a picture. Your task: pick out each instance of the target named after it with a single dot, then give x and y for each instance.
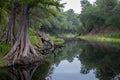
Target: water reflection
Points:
(103, 58)
(19, 73)
(34, 71)
(79, 60)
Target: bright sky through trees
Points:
(74, 4)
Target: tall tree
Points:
(106, 7)
(9, 33)
(102, 13)
(22, 51)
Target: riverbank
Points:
(113, 39)
(5, 46)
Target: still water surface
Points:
(71, 71)
(78, 60)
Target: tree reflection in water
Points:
(27, 72)
(103, 59)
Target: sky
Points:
(74, 4)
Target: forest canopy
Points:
(103, 13)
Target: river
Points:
(78, 60)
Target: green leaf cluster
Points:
(102, 13)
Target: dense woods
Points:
(102, 13)
(64, 22)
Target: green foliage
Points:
(4, 48)
(102, 58)
(4, 10)
(5, 7)
(2, 27)
(84, 3)
(116, 35)
(113, 39)
(40, 13)
(101, 13)
(113, 21)
(33, 3)
(64, 22)
(33, 38)
(90, 18)
(57, 40)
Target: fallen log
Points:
(49, 45)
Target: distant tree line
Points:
(103, 13)
(63, 22)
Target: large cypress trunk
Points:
(8, 35)
(22, 51)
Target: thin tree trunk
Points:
(22, 51)
(8, 35)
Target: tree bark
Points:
(22, 51)
(8, 35)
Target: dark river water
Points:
(78, 60)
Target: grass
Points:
(70, 35)
(100, 38)
(4, 48)
(57, 40)
(113, 39)
(116, 36)
(35, 40)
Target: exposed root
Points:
(48, 45)
(22, 51)
(22, 54)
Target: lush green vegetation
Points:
(57, 40)
(100, 21)
(65, 22)
(103, 13)
(102, 58)
(101, 38)
(16, 17)
(4, 48)
(113, 39)
(21, 21)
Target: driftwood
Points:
(45, 39)
(47, 50)
(49, 45)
